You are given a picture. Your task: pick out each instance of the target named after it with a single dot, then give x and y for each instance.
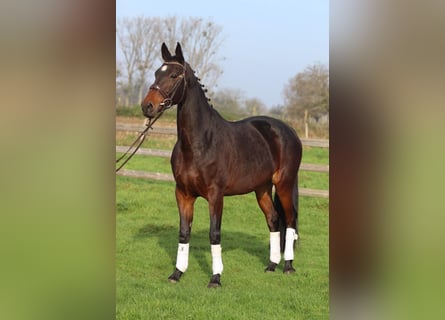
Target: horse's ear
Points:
(178, 53)
(166, 55)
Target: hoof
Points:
(288, 269)
(174, 278)
(271, 267)
(214, 281)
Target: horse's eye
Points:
(173, 75)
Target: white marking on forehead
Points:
(164, 67)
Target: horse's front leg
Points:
(185, 205)
(215, 210)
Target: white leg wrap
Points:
(289, 244)
(217, 264)
(275, 255)
(182, 259)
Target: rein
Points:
(141, 137)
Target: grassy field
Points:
(147, 236)
(146, 243)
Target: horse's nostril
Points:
(146, 107)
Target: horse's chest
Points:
(190, 174)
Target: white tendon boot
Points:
(217, 264)
(182, 259)
(275, 255)
(291, 236)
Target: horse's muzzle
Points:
(148, 110)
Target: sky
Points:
(265, 42)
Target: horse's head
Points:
(169, 86)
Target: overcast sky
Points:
(265, 42)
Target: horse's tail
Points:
(281, 215)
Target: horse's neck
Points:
(195, 117)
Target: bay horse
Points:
(213, 158)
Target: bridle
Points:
(168, 96)
(167, 103)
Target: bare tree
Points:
(119, 84)
(201, 40)
(307, 94)
(229, 102)
(277, 111)
(255, 107)
(129, 41)
(151, 33)
(140, 39)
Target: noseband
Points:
(167, 103)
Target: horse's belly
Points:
(241, 174)
(245, 182)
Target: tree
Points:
(201, 40)
(308, 92)
(137, 38)
(229, 102)
(150, 34)
(255, 106)
(139, 41)
(277, 111)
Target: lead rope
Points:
(140, 138)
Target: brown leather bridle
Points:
(168, 96)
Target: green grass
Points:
(146, 243)
(148, 163)
(315, 155)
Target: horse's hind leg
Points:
(264, 198)
(185, 206)
(286, 203)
